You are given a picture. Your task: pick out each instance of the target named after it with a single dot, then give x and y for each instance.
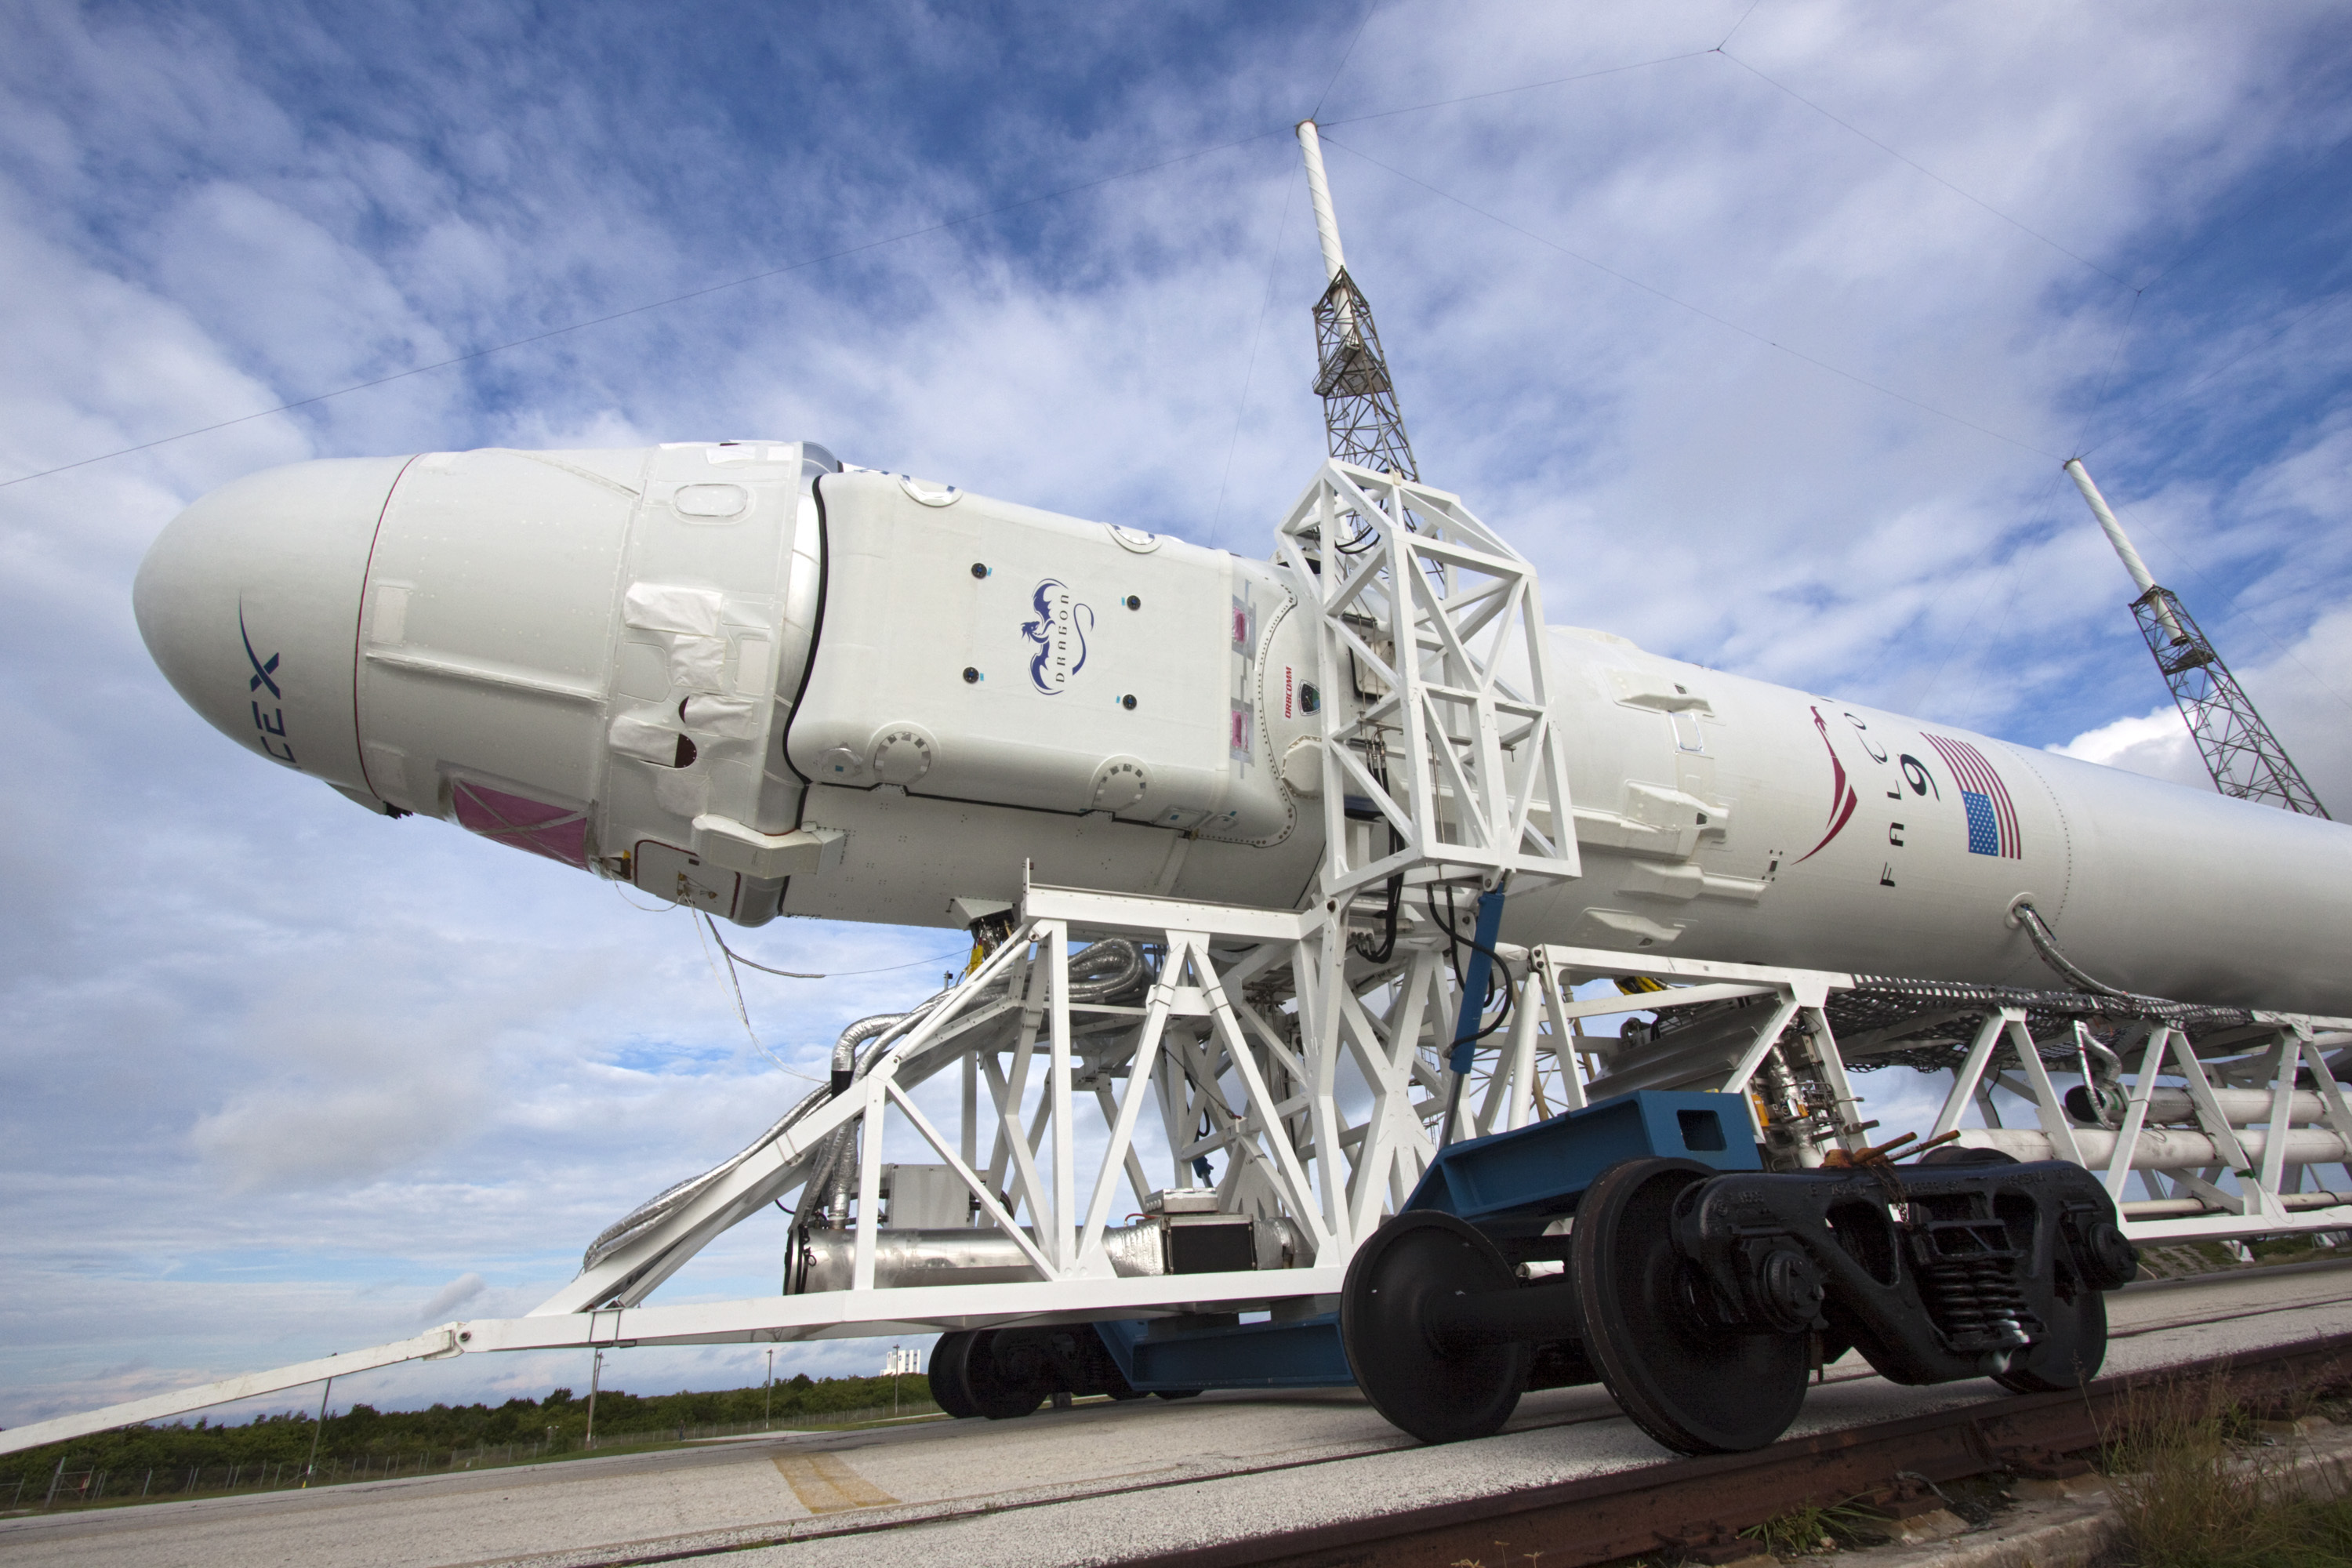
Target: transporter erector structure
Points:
(1295, 875)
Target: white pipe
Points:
(2122, 541)
(2181, 1209)
(1318, 191)
(2160, 1147)
(2240, 1107)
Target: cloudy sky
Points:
(1764, 330)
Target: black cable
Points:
(1456, 942)
(1363, 945)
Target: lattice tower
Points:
(1351, 374)
(1360, 402)
(2236, 747)
(2239, 750)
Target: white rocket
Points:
(751, 680)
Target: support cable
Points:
(1507, 91)
(1697, 310)
(1922, 168)
(1249, 374)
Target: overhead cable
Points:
(1922, 168)
(1345, 56)
(1249, 374)
(1505, 91)
(2272, 341)
(1726, 41)
(1695, 310)
(612, 316)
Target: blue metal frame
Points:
(1507, 1183)
(1301, 1353)
(1535, 1174)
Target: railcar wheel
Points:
(1411, 1262)
(2069, 1354)
(1694, 1386)
(945, 1371)
(997, 1391)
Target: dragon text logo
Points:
(1059, 633)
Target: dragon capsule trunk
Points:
(755, 682)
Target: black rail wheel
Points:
(1695, 1386)
(1414, 1260)
(945, 1371)
(2070, 1351)
(997, 1391)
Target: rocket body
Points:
(750, 681)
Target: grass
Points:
(2193, 1491)
(1802, 1532)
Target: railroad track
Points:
(1697, 1506)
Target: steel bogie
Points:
(1704, 1298)
(1005, 1374)
(1934, 1274)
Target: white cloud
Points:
(452, 1296)
(2156, 744)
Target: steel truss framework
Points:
(1360, 415)
(1261, 1039)
(2228, 1120)
(1437, 626)
(2237, 747)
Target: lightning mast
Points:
(2238, 749)
(1352, 375)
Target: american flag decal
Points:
(1992, 819)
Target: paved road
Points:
(1090, 1484)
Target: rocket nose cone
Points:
(249, 604)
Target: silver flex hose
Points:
(2045, 942)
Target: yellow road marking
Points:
(824, 1484)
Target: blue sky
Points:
(1774, 377)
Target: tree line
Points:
(365, 1432)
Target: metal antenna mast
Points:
(1351, 376)
(2239, 750)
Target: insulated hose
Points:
(2046, 943)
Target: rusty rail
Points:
(1697, 1506)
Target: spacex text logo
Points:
(271, 726)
